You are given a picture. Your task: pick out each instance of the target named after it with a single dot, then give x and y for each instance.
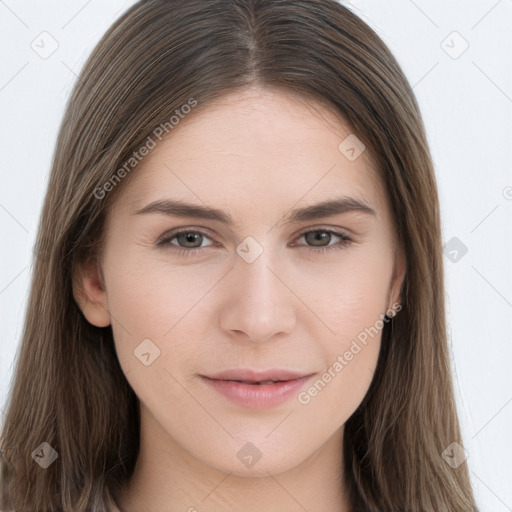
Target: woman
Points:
(258, 368)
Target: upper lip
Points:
(249, 375)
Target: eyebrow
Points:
(320, 210)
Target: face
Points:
(266, 283)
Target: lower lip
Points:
(258, 396)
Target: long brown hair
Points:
(69, 390)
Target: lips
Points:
(258, 389)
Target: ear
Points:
(90, 294)
(397, 279)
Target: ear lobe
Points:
(397, 279)
(90, 294)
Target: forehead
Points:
(259, 148)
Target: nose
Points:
(259, 303)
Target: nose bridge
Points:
(259, 304)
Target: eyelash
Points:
(165, 241)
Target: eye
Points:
(325, 235)
(190, 241)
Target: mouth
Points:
(245, 388)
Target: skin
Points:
(257, 154)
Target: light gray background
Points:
(466, 101)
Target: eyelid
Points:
(332, 229)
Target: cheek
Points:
(149, 300)
(347, 295)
